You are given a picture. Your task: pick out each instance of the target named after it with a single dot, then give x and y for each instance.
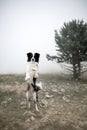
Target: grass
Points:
(11, 79)
(58, 114)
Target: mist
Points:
(28, 26)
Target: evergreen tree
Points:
(71, 44)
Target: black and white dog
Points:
(32, 67)
(31, 78)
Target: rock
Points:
(54, 90)
(65, 99)
(68, 84)
(29, 113)
(25, 113)
(48, 96)
(32, 118)
(9, 99)
(46, 93)
(23, 107)
(44, 103)
(62, 90)
(4, 102)
(28, 120)
(45, 119)
(23, 103)
(6, 128)
(32, 114)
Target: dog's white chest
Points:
(33, 67)
(32, 70)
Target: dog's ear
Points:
(29, 55)
(36, 56)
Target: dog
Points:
(31, 77)
(32, 67)
(33, 93)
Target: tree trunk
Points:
(79, 68)
(75, 72)
(76, 65)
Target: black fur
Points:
(36, 88)
(36, 56)
(29, 55)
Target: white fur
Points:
(34, 98)
(31, 70)
(35, 101)
(27, 97)
(31, 93)
(40, 85)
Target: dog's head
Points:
(32, 66)
(33, 58)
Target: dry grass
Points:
(65, 109)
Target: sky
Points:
(28, 26)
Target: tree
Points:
(71, 44)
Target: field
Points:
(62, 104)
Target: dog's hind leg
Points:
(27, 87)
(29, 104)
(35, 101)
(37, 96)
(28, 99)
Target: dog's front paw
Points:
(27, 77)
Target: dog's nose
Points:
(32, 59)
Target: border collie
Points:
(32, 67)
(31, 78)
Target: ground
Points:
(62, 104)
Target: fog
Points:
(28, 26)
